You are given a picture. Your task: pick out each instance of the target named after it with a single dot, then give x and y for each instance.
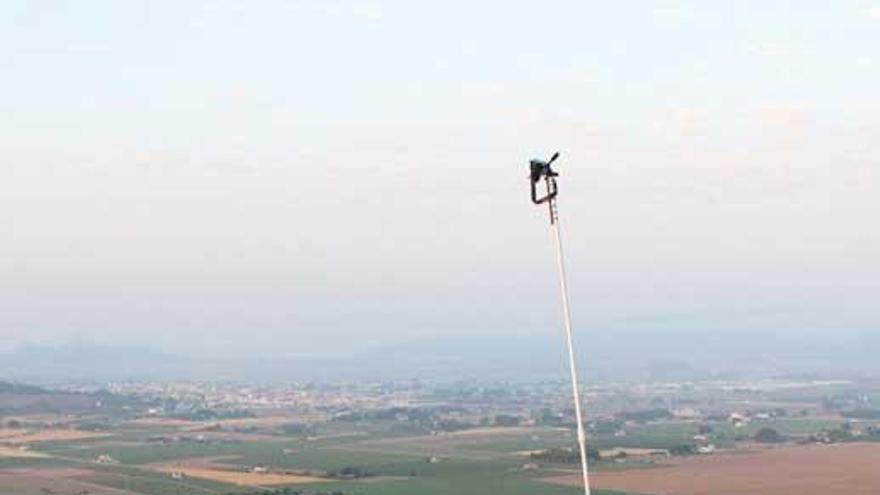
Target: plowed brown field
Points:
(846, 469)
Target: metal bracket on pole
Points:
(541, 170)
(538, 170)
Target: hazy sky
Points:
(318, 176)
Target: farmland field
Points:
(850, 469)
(47, 481)
(470, 446)
(473, 462)
(51, 436)
(467, 463)
(12, 452)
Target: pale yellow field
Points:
(264, 421)
(12, 452)
(240, 478)
(489, 431)
(11, 432)
(50, 436)
(169, 422)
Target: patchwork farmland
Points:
(427, 442)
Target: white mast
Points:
(541, 170)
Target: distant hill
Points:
(19, 399)
(89, 362)
(18, 389)
(607, 356)
(640, 356)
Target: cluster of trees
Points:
(768, 435)
(564, 456)
(453, 425)
(410, 420)
(425, 419)
(841, 434)
(845, 401)
(298, 429)
(683, 449)
(645, 416)
(414, 414)
(873, 432)
(549, 417)
(350, 473)
(94, 425)
(12, 423)
(605, 427)
(862, 414)
(507, 420)
(211, 414)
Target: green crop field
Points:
(156, 484)
(149, 453)
(651, 436)
(478, 482)
(15, 462)
(399, 466)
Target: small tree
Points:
(683, 449)
(506, 420)
(768, 435)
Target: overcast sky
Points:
(318, 176)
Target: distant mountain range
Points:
(605, 357)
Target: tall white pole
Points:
(563, 287)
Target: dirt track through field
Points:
(851, 469)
